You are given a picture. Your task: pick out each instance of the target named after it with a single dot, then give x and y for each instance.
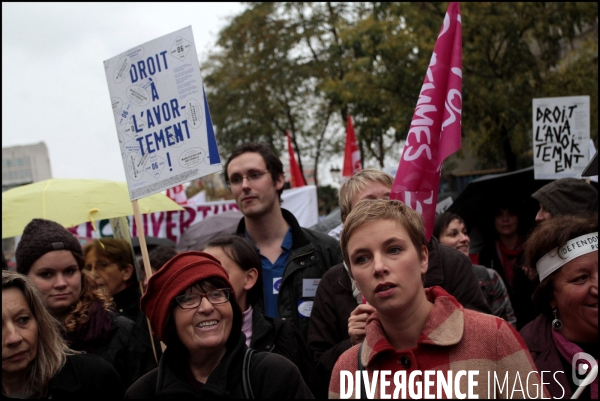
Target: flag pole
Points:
(146, 259)
(140, 231)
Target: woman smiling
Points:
(192, 308)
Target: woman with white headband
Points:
(562, 255)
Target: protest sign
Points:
(561, 133)
(163, 124)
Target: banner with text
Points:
(302, 202)
(163, 123)
(561, 136)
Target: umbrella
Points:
(481, 196)
(71, 202)
(197, 235)
(331, 221)
(592, 168)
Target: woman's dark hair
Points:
(211, 283)
(442, 221)
(549, 235)
(274, 165)
(245, 256)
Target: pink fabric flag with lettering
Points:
(297, 177)
(177, 193)
(352, 162)
(434, 132)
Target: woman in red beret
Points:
(192, 308)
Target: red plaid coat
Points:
(453, 339)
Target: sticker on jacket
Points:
(276, 284)
(309, 287)
(304, 308)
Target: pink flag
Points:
(297, 178)
(434, 132)
(351, 154)
(177, 193)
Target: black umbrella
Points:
(482, 196)
(592, 168)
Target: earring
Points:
(556, 323)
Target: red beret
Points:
(179, 273)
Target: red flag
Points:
(297, 178)
(434, 132)
(351, 154)
(177, 193)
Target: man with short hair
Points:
(565, 196)
(293, 258)
(339, 316)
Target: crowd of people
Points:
(282, 311)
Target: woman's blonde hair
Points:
(357, 183)
(90, 292)
(52, 350)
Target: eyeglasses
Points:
(193, 300)
(252, 176)
(99, 265)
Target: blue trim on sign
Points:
(213, 150)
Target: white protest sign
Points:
(561, 133)
(163, 123)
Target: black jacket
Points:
(271, 376)
(312, 255)
(126, 347)
(281, 337)
(127, 304)
(328, 332)
(86, 377)
(521, 290)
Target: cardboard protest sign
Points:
(161, 115)
(561, 134)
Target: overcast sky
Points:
(53, 83)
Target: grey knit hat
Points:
(43, 236)
(567, 196)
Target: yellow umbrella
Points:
(71, 202)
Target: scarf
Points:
(508, 258)
(568, 350)
(97, 326)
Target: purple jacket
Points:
(538, 337)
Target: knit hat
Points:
(567, 196)
(43, 236)
(180, 272)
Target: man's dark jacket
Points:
(281, 337)
(312, 254)
(328, 332)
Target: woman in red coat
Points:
(416, 331)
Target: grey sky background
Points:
(53, 83)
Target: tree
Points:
(511, 54)
(306, 66)
(261, 84)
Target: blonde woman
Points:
(36, 362)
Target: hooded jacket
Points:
(271, 376)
